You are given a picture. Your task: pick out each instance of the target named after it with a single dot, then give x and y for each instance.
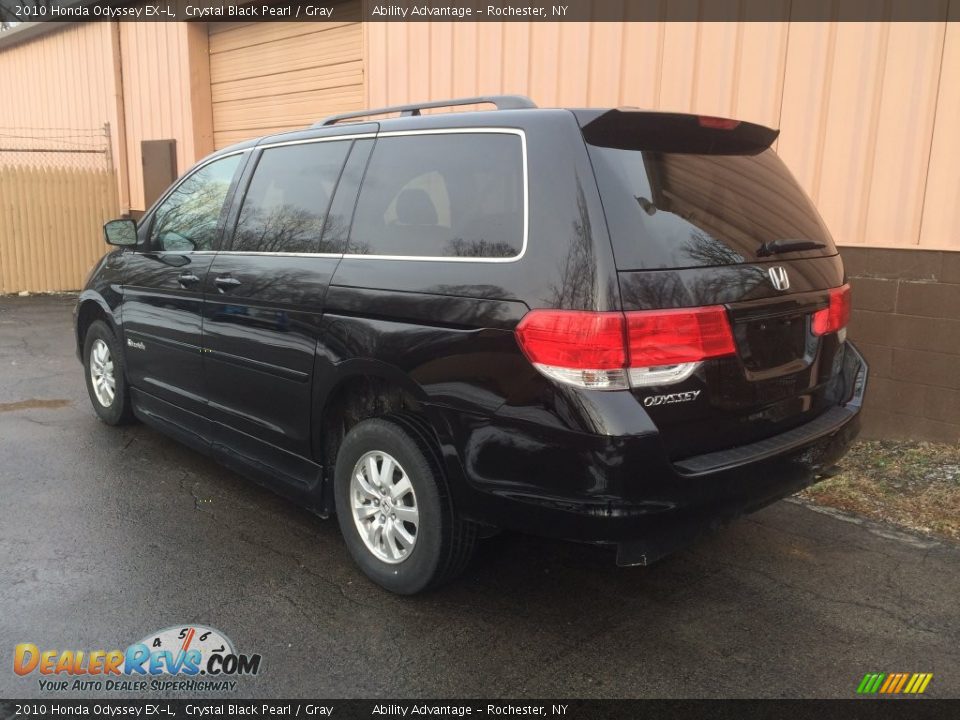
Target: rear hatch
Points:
(703, 214)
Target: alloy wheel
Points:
(101, 373)
(384, 507)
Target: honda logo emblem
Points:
(779, 278)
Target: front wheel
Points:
(105, 375)
(394, 511)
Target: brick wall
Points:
(906, 320)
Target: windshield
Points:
(674, 210)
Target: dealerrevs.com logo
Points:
(186, 658)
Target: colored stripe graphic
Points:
(870, 683)
(918, 683)
(894, 683)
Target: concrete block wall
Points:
(906, 320)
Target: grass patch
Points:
(912, 484)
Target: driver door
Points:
(163, 295)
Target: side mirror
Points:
(122, 233)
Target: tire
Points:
(442, 542)
(113, 407)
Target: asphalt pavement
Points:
(108, 534)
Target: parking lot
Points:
(109, 534)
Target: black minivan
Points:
(610, 326)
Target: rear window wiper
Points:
(785, 245)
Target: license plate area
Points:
(771, 342)
(774, 339)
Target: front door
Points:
(163, 294)
(264, 301)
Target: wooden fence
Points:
(51, 225)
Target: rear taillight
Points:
(579, 348)
(666, 346)
(614, 350)
(836, 315)
(663, 337)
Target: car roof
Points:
(512, 111)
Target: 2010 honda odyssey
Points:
(603, 325)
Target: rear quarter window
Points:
(450, 195)
(676, 210)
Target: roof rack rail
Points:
(503, 102)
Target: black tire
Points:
(118, 411)
(444, 542)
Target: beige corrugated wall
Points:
(71, 78)
(868, 111)
(272, 77)
(59, 90)
(166, 93)
(62, 81)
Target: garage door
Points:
(267, 77)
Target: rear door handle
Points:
(225, 283)
(187, 278)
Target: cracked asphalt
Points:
(108, 534)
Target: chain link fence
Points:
(76, 148)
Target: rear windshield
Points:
(673, 210)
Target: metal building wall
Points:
(166, 94)
(868, 111)
(62, 81)
(149, 80)
(272, 77)
(59, 91)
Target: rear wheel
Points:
(394, 511)
(105, 375)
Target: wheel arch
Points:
(92, 307)
(363, 389)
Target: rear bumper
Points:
(623, 490)
(746, 488)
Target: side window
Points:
(286, 204)
(187, 219)
(442, 195)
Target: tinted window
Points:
(188, 218)
(670, 210)
(286, 204)
(337, 227)
(452, 195)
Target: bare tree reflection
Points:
(458, 247)
(282, 228)
(703, 249)
(728, 279)
(188, 218)
(577, 284)
(655, 290)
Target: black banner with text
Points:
(18, 11)
(925, 709)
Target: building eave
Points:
(25, 32)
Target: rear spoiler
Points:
(627, 129)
